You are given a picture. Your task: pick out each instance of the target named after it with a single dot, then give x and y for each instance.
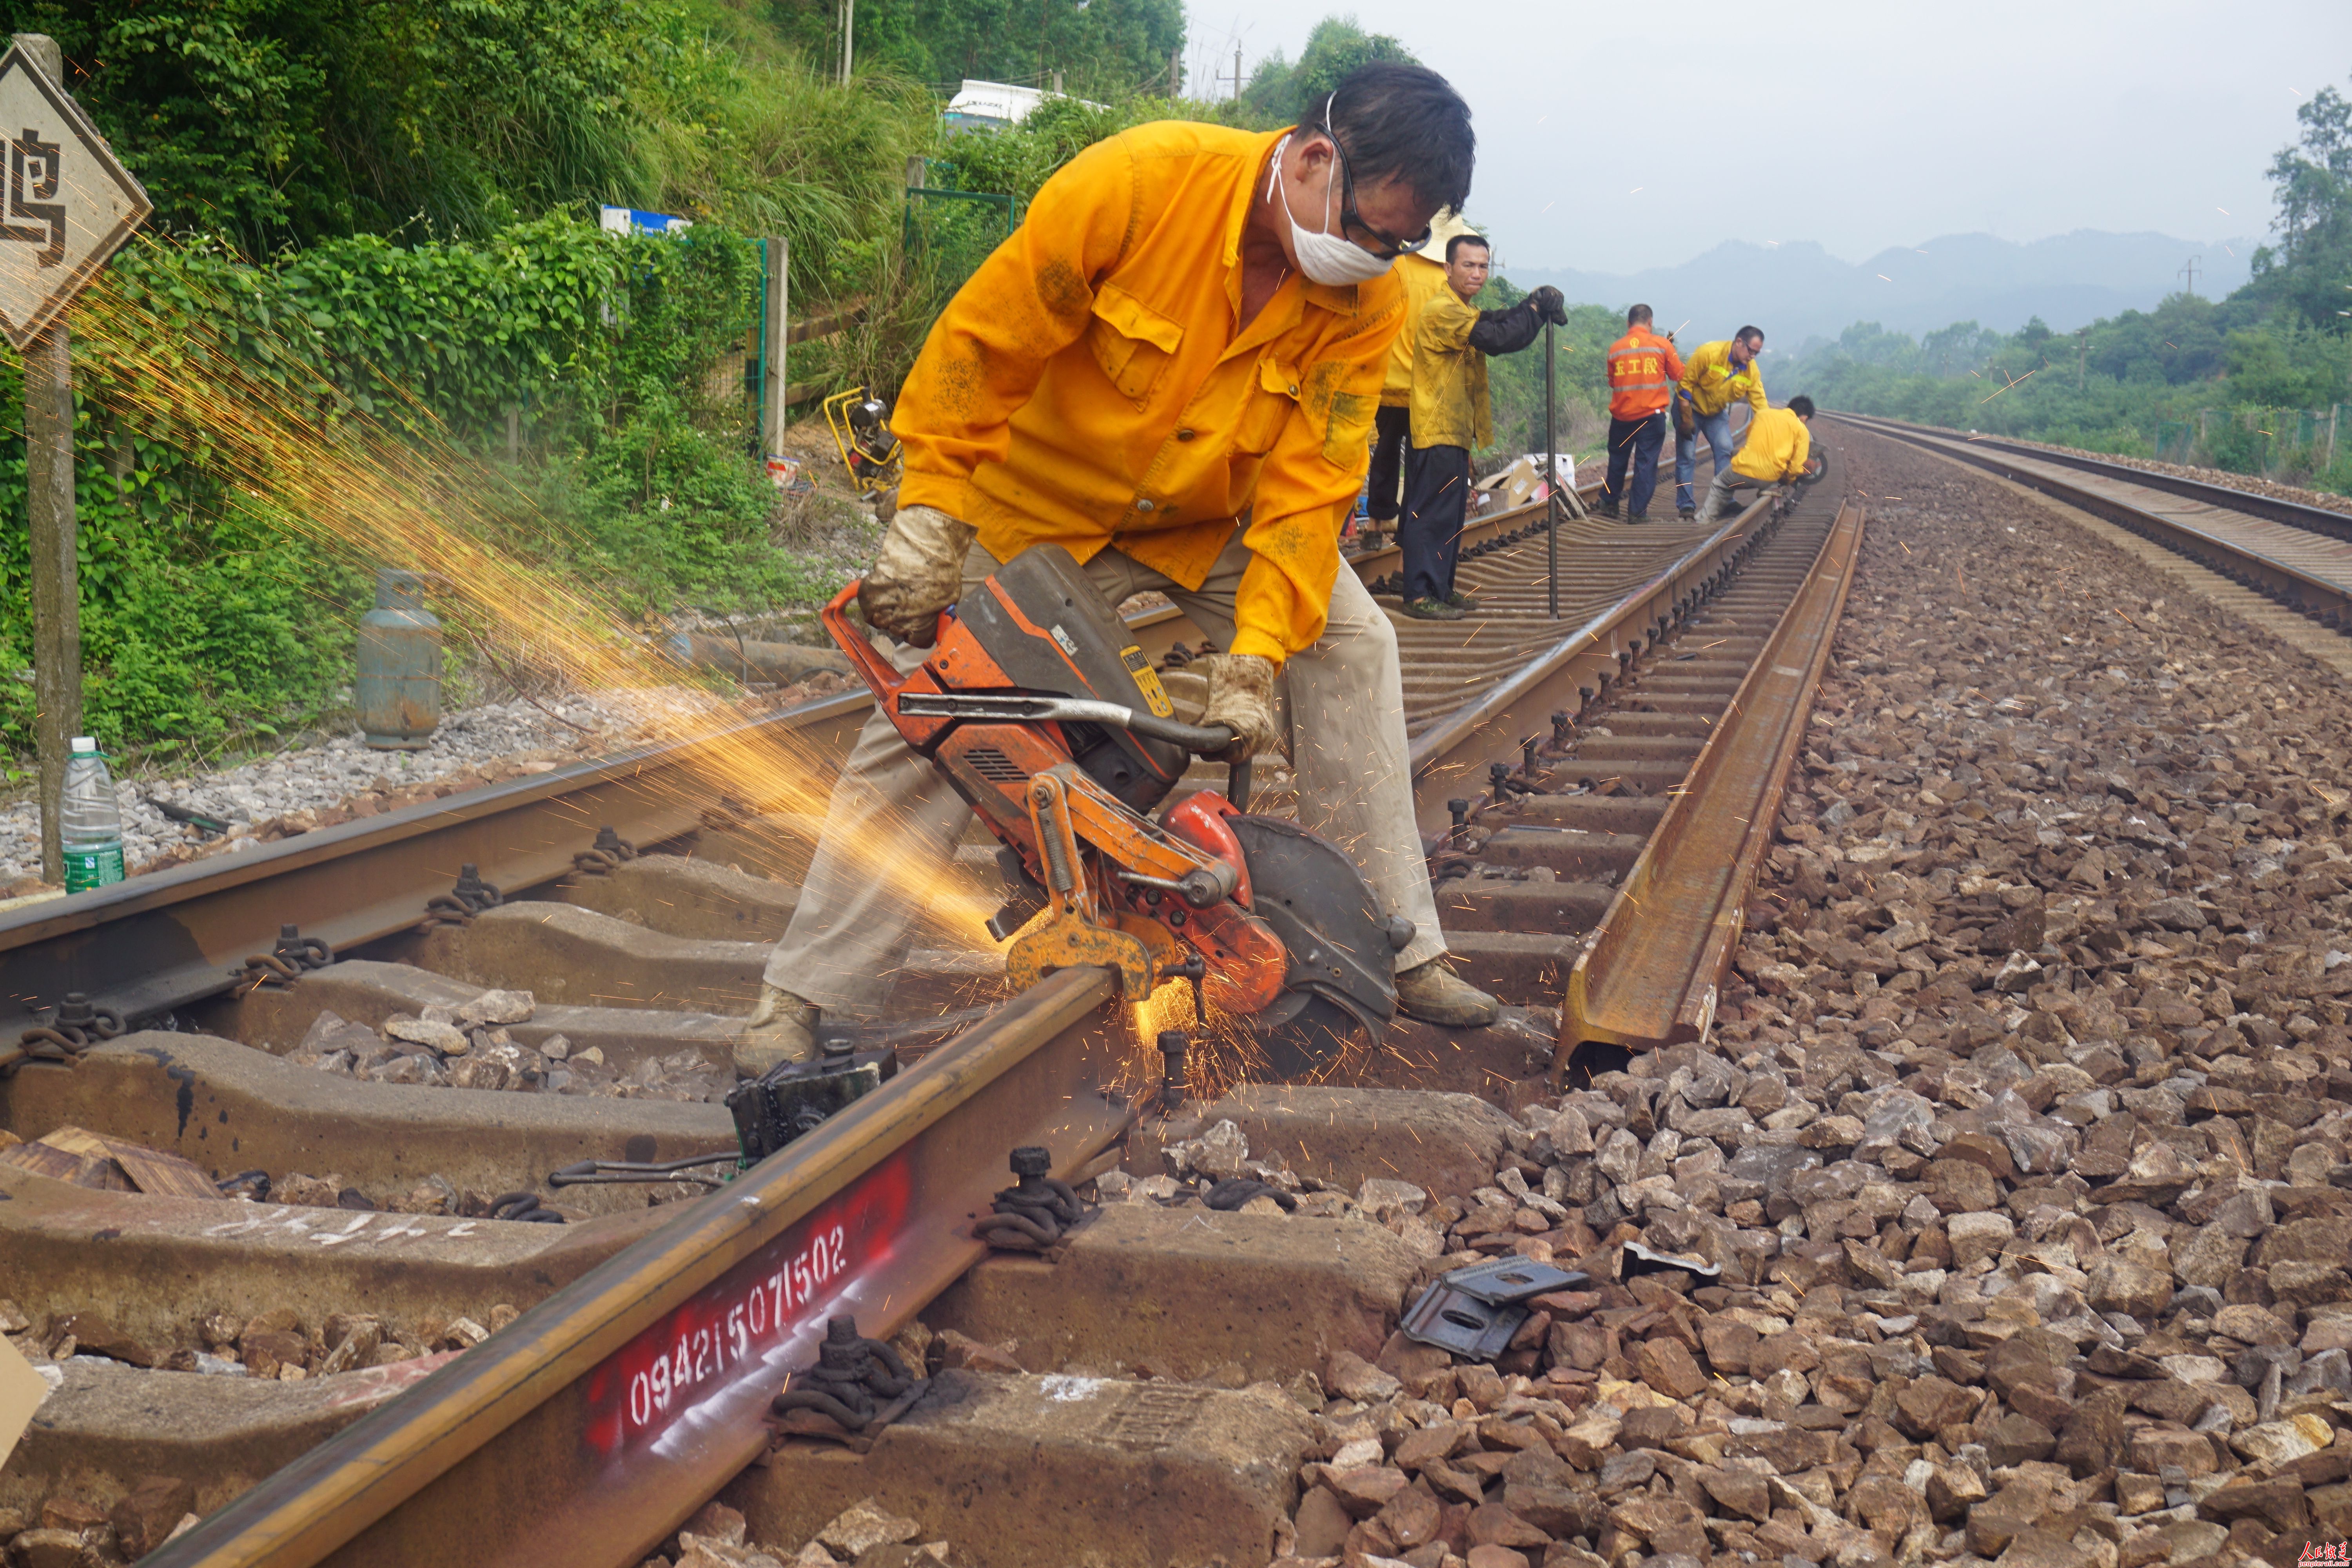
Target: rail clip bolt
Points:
(1560, 725)
(1031, 1160)
(1461, 810)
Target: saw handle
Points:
(1203, 740)
(879, 673)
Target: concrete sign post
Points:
(66, 206)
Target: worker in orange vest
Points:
(1643, 370)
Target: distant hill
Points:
(1796, 291)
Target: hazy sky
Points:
(1617, 136)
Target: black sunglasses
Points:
(1390, 246)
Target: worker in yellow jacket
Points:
(1716, 377)
(1170, 370)
(1422, 273)
(1778, 450)
(1452, 417)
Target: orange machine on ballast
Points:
(1042, 713)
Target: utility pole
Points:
(57, 578)
(775, 330)
(849, 31)
(2082, 357)
(1237, 73)
(2189, 272)
(72, 202)
(1175, 75)
(1552, 474)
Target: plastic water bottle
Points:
(89, 823)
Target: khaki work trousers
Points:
(1345, 717)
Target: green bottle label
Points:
(88, 868)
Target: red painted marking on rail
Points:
(740, 1326)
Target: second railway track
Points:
(2298, 556)
(1611, 771)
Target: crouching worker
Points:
(1169, 369)
(1778, 450)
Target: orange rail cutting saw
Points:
(1042, 713)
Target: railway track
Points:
(2299, 557)
(1610, 773)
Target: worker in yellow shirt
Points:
(1716, 377)
(1169, 369)
(1778, 450)
(1452, 415)
(1422, 273)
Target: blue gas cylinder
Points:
(399, 690)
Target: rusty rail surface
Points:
(2318, 598)
(1648, 977)
(594, 1424)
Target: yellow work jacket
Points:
(1776, 448)
(1449, 377)
(1423, 280)
(1712, 385)
(1092, 385)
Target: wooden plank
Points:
(95, 1171)
(141, 1169)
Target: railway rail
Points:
(1610, 774)
(2298, 556)
(2228, 498)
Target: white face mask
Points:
(1327, 258)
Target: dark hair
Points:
(1459, 240)
(1637, 315)
(1400, 122)
(1802, 406)
(1743, 333)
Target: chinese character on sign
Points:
(69, 204)
(33, 173)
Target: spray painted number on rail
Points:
(699, 1352)
(733, 1344)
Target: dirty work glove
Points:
(1685, 421)
(1241, 697)
(1550, 305)
(918, 574)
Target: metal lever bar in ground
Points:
(589, 1173)
(1198, 738)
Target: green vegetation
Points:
(1282, 93)
(1514, 383)
(390, 206)
(2245, 383)
(394, 199)
(1104, 48)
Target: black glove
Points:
(1550, 305)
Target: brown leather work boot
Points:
(1435, 994)
(782, 1028)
